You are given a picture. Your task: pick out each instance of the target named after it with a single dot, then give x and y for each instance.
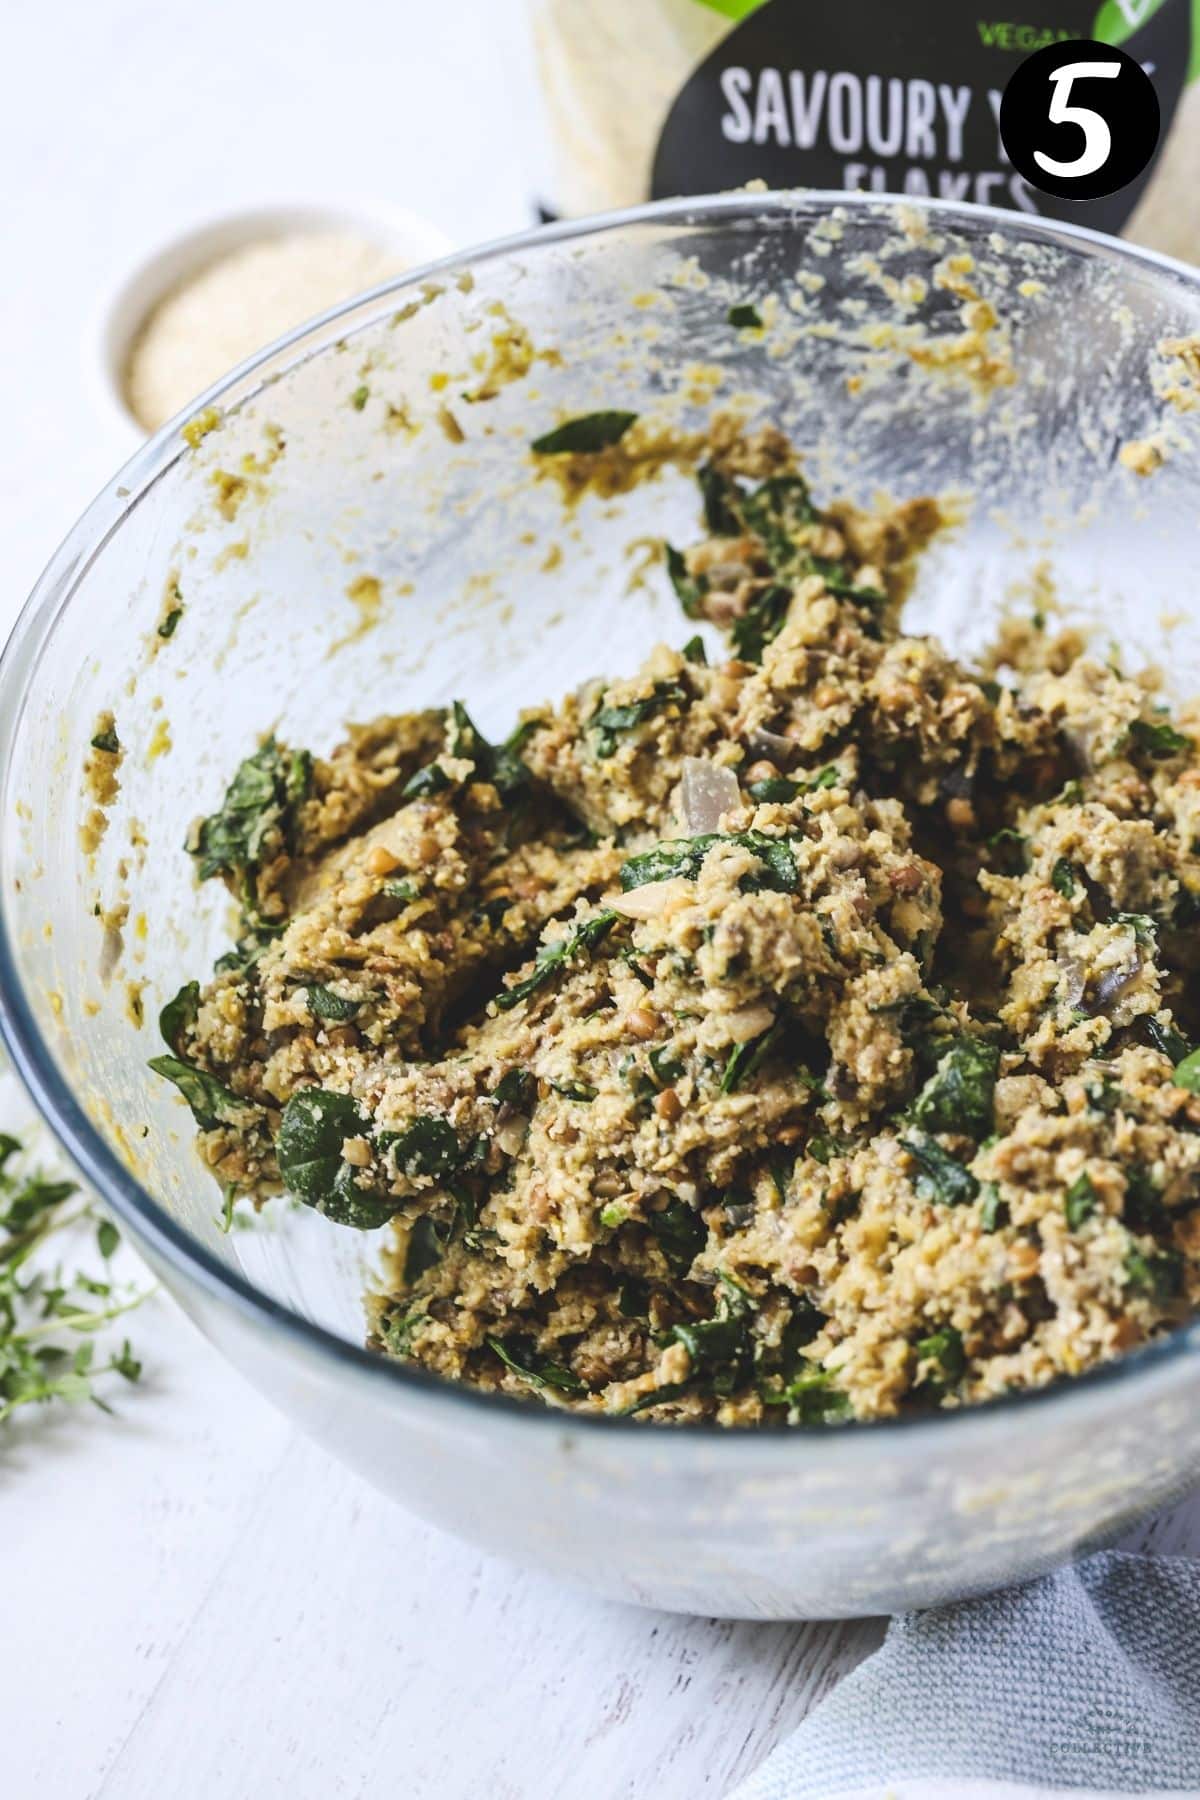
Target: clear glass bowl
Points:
(303, 487)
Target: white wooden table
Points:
(196, 1602)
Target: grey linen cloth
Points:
(1085, 1682)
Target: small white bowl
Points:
(171, 264)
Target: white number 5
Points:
(1096, 135)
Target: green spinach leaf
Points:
(426, 783)
(429, 1146)
(1062, 878)
(1160, 1276)
(689, 589)
(323, 1003)
(939, 1176)
(721, 1348)
(685, 856)
(538, 1372)
(776, 512)
(944, 1350)
(516, 1087)
(721, 497)
(681, 1234)
(211, 1103)
(316, 1123)
(586, 434)
(179, 1014)
(257, 816)
(960, 1095)
(608, 724)
(746, 1059)
(809, 1396)
(1158, 738)
(553, 959)
(1080, 1202)
(761, 622)
(1165, 1038)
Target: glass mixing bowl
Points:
(390, 440)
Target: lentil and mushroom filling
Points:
(799, 1036)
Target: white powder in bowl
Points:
(235, 305)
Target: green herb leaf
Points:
(167, 627)
(516, 1087)
(316, 1123)
(360, 396)
(777, 789)
(257, 817)
(960, 1095)
(939, 1176)
(681, 1234)
(179, 1014)
(324, 1003)
(1080, 1201)
(810, 1396)
(1187, 1073)
(720, 1348)
(746, 1059)
(609, 723)
(993, 1211)
(685, 857)
(41, 1304)
(780, 789)
(761, 622)
(426, 782)
(1160, 1276)
(552, 960)
(694, 652)
(429, 1146)
(744, 317)
(585, 435)
(211, 1103)
(666, 1066)
(574, 1090)
(721, 497)
(538, 1372)
(1062, 878)
(1159, 739)
(944, 1349)
(498, 763)
(107, 740)
(776, 512)
(1172, 1043)
(690, 589)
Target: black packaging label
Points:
(897, 98)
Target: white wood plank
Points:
(343, 1643)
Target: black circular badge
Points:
(1079, 119)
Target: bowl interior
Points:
(959, 353)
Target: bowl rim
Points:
(37, 1066)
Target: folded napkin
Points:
(1086, 1682)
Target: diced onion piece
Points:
(706, 791)
(771, 744)
(749, 1023)
(653, 898)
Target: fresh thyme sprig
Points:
(42, 1304)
